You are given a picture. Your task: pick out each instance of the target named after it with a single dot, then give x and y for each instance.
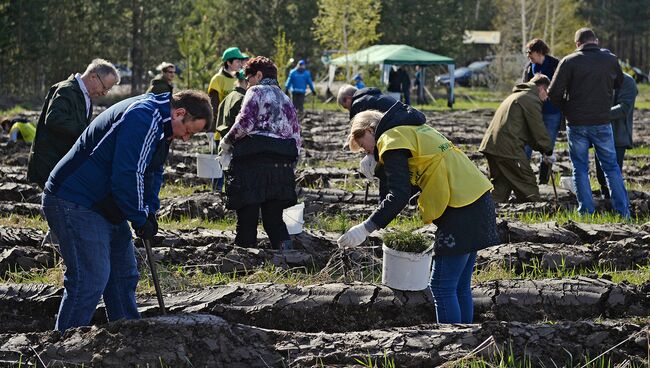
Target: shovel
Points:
(154, 275)
(557, 203)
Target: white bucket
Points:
(566, 182)
(292, 217)
(406, 271)
(207, 166)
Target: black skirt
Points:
(262, 170)
(253, 182)
(467, 229)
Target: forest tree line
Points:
(43, 41)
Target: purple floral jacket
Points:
(266, 111)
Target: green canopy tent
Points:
(387, 55)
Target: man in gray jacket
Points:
(622, 115)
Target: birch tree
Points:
(347, 26)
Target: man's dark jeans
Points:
(100, 261)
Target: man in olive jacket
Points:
(66, 113)
(516, 123)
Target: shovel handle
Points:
(154, 275)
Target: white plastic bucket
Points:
(292, 217)
(566, 182)
(207, 166)
(406, 271)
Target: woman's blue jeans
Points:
(99, 259)
(601, 137)
(451, 279)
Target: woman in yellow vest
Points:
(19, 130)
(455, 197)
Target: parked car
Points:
(475, 74)
(462, 77)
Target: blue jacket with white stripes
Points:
(116, 165)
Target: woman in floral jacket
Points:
(264, 143)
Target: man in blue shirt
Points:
(297, 82)
(111, 175)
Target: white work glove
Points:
(549, 160)
(224, 146)
(353, 237)
(224, 159)
(367, 166)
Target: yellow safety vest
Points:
(27, 131)
(445, 174)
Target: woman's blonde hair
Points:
(359, 124)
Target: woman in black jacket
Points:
(264, 143)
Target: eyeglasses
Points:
(528, 52)
(102, 82)
(170, 71)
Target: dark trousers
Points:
(298, 101)
(620, 155)
(247, 219)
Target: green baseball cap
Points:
(233, 53)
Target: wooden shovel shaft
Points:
(154, 275)
(557, 203)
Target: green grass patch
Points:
(50, 276)
(175, 278)
(639, 150)
(493, 357)
(564, 216)
(180, 190)
(186, 223)
(338, 223)
(341, 222)
(535, 271)
(370, 362)
(18, 221)
(13, 111)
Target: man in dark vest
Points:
(66, 113)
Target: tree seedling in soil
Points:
(405, 241)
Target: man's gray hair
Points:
(347, 90)
(103, 68)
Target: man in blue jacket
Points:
(112, 175)
(297, 82)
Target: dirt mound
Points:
(202, 340)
